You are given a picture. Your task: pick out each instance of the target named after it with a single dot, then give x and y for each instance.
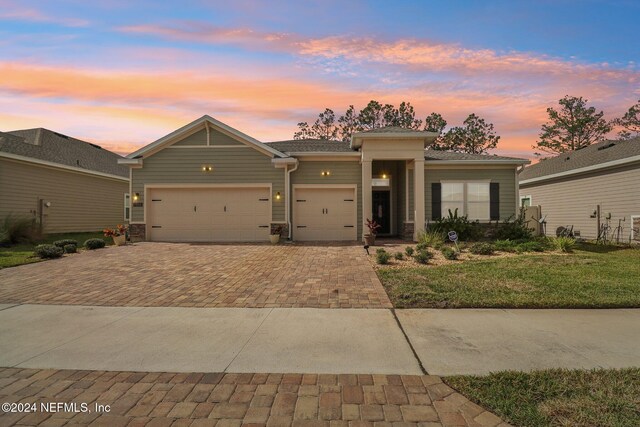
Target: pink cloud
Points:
(16, 12)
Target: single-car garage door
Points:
(229, 214)
(324, 213)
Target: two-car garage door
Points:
(209, 214)
(324, 213)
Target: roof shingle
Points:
(43, 144)
(595, 154)
(310, 146)
(450, 155)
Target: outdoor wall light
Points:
(207, 168)
(278, 195)
(325, 173)
(384, 176)
(136, 196)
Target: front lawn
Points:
(591, 277)
(604, 397)
(23, 253)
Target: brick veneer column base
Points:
(407, 231)
(137, 232)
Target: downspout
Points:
(287, 194)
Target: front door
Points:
(382, 210)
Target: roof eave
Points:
(357, 138)
(479, 162)
(324, 153)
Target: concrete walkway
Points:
(352, 341)
(479, 341)
(204, 340)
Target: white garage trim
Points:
(148, 187)
(353, 187)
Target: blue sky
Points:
(123, 73)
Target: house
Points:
(210, 182)
(590, 189)
(65, 184)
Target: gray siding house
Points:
(209, 182)
(65, 184)
(590, 189)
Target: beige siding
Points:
(505, 177)
(242, 165)
(573, 200)
(215, 138)
(308, 172)
(79, 202)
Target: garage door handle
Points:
(301, 226)
(263, 226)
(156, 200)
(301, 200)
(156, 226)
(195, 209)
(263, 200)
(348, 200)
(349, 226)
(225, 208)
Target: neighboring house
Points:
(65, 184)
(209, 182)
(588, 189)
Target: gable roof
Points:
(48, 146)
(202, 121)
(437, 155)
(311, 145)
(592, 156)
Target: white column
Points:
(418, 197)
(366, 194)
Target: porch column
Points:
(418, 197)
(366, 194)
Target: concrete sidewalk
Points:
(479, 341)
(204, 340)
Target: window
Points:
(452, 198)
(127, 207)
(525, 201)
(470, 198)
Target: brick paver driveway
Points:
(184, 275)
(234, 400)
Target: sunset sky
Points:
(125, 73)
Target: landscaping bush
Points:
(94, 244)
(64, 242)
(18, 230)
(69, 249)
(409, 251)
(505, 245)
(532, 246)
(423, 256)
(421, 246)
(514, 230)
(449, 253)
(433, 238)
(466, 230)
(382, 256)
(399, 256)
(48, 251)
(481, 248)
(564, 244)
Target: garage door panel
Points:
(209, 214)
(324, 214)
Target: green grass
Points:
(591, 277)
(556, 397)
(23, 253)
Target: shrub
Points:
(514, 230)
(18, 230)
(70, 249)
(423, 256)
(564, 244)
(481, 248)
(449, 253)
(505, 245)
(532, 246)
(399, 256)
(409, 251)
(94, 244)
(465, 229)
(48, 251)
(382, 256)
(64, 242)
(433, 238)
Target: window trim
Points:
(127, 205)
(465, 199)
(526, 197)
